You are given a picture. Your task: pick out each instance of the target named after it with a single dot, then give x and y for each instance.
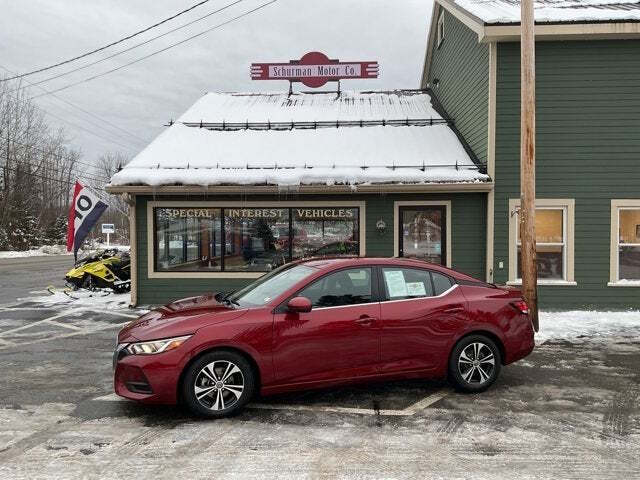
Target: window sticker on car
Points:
(416, 289)
(395, 283)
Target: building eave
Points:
(301, 189)
(488, 33)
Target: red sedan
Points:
(319, 323)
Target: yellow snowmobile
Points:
(109, 268)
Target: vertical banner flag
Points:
(85, 211)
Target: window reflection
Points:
(422, 233)
(325, 231)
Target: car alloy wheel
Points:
(476, 363)
(219, 385)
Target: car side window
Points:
(441, 283)
(404, 283)
(345, 287)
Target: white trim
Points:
(230, 204)
(491, 159)
(568, 206)
(614, 257)
(542, 282)
(133, 251)
(422, 203)
(440, 29)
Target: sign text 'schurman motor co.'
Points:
(313, 70)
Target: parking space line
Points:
(53, 317)
(87, 331)
(406, 412)
(65, 325)
(428, 401)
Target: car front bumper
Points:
(148, 378)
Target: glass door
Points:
(422, 232)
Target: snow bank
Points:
(40, 251)
(59, 250)
(507, 11)
(574, 324)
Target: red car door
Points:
(338, 339)
(423, 309)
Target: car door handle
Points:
(454, 309)
(365, 320)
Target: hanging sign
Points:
(313, 70)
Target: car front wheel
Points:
(475, 363)
(218, 384)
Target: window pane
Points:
(549, 225)
(401, 283)
(442, 283)
(629, 263)
(325, 231)
(187, 239)
(550, 262)
(346, 287)
(630, 226)
(422, 234)
(256, 239)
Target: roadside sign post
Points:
(108, 228)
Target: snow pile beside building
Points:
(37, 252)
(249, 139)
(553, 11)
(572, 325)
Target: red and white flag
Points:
(85, 211)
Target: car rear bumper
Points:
(520, 342)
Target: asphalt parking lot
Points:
(570, 410)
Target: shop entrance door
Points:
(422, 233)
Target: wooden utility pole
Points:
(528, 160)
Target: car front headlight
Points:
(156, 346)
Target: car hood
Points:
(182, 317)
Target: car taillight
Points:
(521, 306)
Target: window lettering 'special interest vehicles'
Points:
(319, 323)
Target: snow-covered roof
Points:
(553, 11)
(257, 139)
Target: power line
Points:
(44, 177)
(106, 46)
(249, 12)
(82, 110)
(54, 154)
(59, 170)
(83, 67)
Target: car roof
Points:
(331, 263)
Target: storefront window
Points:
(550, 244)
(256, 239)
(422, 233)
(250, 239)
(629, 244)
(325, 231)
(187, 239)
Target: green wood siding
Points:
(468, 225)
(461, 65)
(588, 148)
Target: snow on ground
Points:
(37, 252)
(58, 250)
(572, 325)
(103, 299)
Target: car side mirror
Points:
(299, 305)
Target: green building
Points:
(242, 183)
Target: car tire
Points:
(218, 384)
(474, 363)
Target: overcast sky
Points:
(144, 96)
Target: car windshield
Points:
(268, 287)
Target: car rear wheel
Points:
(218, 384)
(475, 363)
